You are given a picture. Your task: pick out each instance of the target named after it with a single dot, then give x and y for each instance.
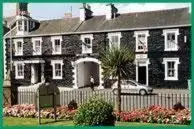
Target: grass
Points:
(14, 121)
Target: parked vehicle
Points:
(131, 86)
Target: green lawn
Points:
(14, 121)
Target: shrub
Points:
(178, 106)
(72, 105)
(96, 112)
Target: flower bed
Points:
(28, 111)
(156, 114)
(152, 114)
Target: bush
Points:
(72, 105)
(96, 112)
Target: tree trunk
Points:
(119, 94)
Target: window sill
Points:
(37, 54)
(170, 49)
(22, 77)
(56, 53)
(19, 54)
(57, 78)
(171, 79)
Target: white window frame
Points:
(53, 44)
(21, 26)
(165, 62)
(90, 36)
(165, 33)
(146, 33)
(114, 34)
(16, 69)
(16, 48)
(53, 62)
(34, 47)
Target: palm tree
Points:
(117, 62)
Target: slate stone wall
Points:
(71, 47)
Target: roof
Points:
(127, 21)
(57, 26)
(138, 20)
(9, 19)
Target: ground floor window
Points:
(19, 71)
(171, 68)
(57, 69)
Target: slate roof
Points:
(127, 21)
(138, 20)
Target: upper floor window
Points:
(20, 26)
(87, 43)
(56, 44)
(171, 68)
(19, 70)
(171, 39)
(25, 26)
(18, 47)
(57, 69)
(114, 40)
(37, 46)
(141, 41)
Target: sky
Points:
(45, 11)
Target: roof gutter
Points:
(102, 31)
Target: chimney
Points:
(111, 11)
(22, 9)
(67, 15)
(85, 12)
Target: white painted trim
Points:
(33, 44)
(9, 32)
(144, 62)
(115, 30)
(165, 32)
(176, 60)
(53, 62)
(115, 34)
(53, 38)
(90, 36)
(87, 59)
(16, 49)
(30, 61)
(23, 19)
(4, 59)
(16, 63)
(146, 33)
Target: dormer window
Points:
(87, 43)
(25, 26)
(22, 26)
